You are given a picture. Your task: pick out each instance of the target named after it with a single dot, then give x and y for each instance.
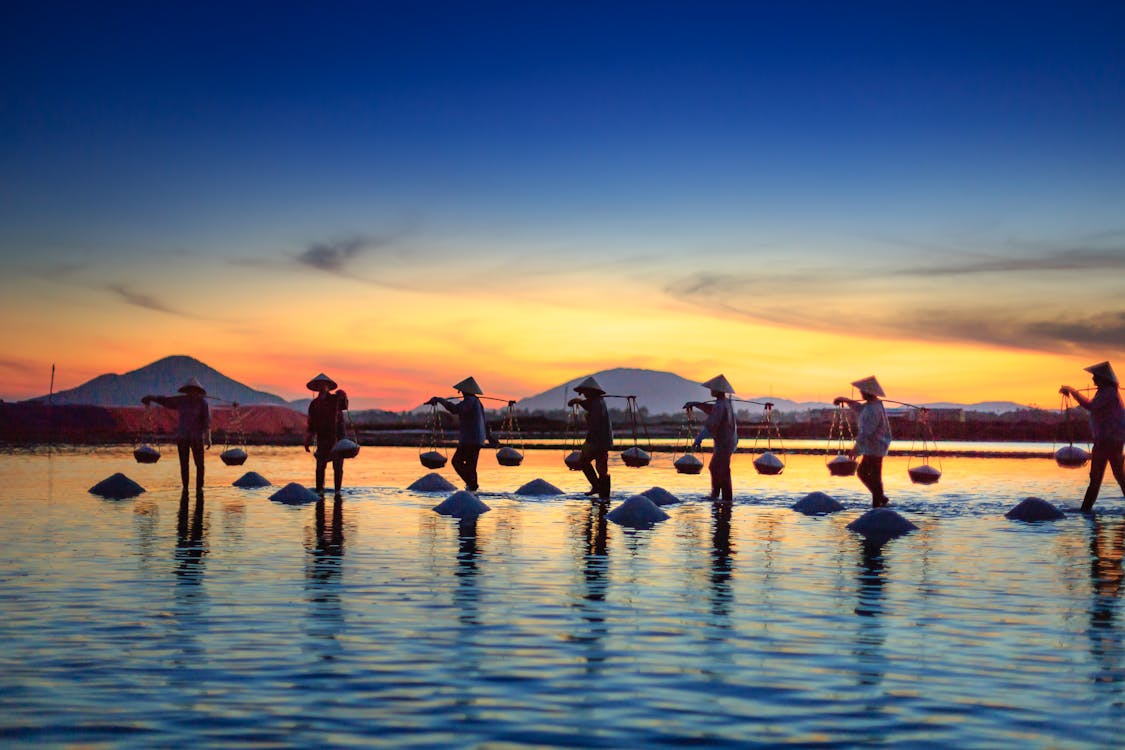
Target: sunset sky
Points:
(402, 194)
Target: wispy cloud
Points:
(1075, 259)
(148, 302)
(335, 256)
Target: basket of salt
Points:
(233, 457)
(842, 466)
(1071, 457)
(635, 457)
(924, 474)
(432, 459)
(573, 460)
(688, 464)
(345, 448)
(509, 456)
(146, 454)
(768, 464)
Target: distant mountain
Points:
(666, 392)
(658, 392)
(162, 377)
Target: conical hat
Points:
(870, 385)
(1105, 370)
(589, 384)
(469, 385)
(313, 385)
(719, 383)
(192, 385)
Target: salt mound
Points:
(539, 487)
(817, 504)
(638, 512)
(432, 459)
(146, 454)
(924, 474)
(1034, 509)
(768, 463)
(881, 524)
(432, 482)
(345, 448)
(660, 496)
(573, 460)
(842, 466)
(117, 487)
(250, 480)
(294, 494)
(635, 457)
(509, 456)
(461, 504)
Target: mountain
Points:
(666, 393)
(659, 392)
(162, 378)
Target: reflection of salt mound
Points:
(660, 496)
(250, 480)
(294, 494)
(1034, 509)
(233, 457)
(817, 504)
(637, 512)
(117, 487)
(881, 524)
(539, 487)
(461, 504)
(432, 482)
(768, 464)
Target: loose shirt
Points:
(1107, 415)
(721, 425)
(873, 434)
(326, 419)
(195, 416)
(599, 429)
(470, 414)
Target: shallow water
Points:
(240, 621)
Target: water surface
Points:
(240, 621)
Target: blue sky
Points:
(958, 162)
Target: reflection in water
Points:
(322, 579)
(1107, 547)
(722, 564)
(870, 634)
(190, 600)
(593, 552)
(467, 595)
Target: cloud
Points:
(335, 256)
(1076, 259)
(147, 302)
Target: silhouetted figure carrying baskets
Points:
(1107, 423)
(873, 436)
(326, 426)
(722, 428)
(594, 461)
(193, 432)
(473, 430)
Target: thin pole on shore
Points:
(50, 406)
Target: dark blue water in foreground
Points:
(241, 622)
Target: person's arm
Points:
(205, 418)
(579, 402)
(851, 402)
(450, 406)
(1076, 395)
(168, 402)
(309, 427)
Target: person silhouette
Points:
(326, 425)
(873, 436)
(599, 436)
(193, 432)
(1107, 425)
(722, 428)
(473, 430)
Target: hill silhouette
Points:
(162, 377)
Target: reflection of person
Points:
(193, 432)
(873, 436)
(721, 427)
(1107, 548)
(599, 436)
(326, 425)
(1107, 423)
(473, 430)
